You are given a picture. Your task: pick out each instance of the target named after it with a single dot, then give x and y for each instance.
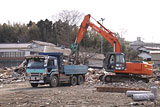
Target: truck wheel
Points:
(74, 80)
(54, 81)
(34, 84)
(80, 79)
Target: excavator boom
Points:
(107, 34)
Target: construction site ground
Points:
(23, 95)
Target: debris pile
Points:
(93, 76)
(156, 73)
(11, 75)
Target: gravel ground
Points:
(21, 94)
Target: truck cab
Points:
(39, 67)
(48, 68)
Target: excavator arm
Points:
(107, 34)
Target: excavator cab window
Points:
(120, 63)
(111, 62)
(114, 61)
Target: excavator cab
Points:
(114, 61)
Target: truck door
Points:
(50, 65)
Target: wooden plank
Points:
(116, 89)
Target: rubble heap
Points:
(11, 75)
(94, 75)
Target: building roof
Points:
(147, 48)
(144, 55)
(42, 43)
(15, 46)
(139, 42)
(152, 48)
(24, 45)
(154, 52)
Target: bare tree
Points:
(123, 32)
(72, 17)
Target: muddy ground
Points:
(21, 94)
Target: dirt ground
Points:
(23, 95)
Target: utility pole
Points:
(102, 19)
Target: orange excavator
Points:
(114, 61)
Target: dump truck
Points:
(49, 68)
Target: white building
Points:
(155, 57)
(14, 54)
(139, 43)
(150, 54)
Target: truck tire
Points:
(54, 81)
(80, 79)
(34, 84)
(74, 80)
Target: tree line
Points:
(61, 32)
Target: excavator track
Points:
(123, 77)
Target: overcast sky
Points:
(136, 17)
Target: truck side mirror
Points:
(55, 62)
(45, 63)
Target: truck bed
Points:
(75, 69)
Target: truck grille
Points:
(36, 74)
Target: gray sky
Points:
(137, 17)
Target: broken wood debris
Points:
(93, 75)
(13, 74)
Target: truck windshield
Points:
(35, 63)
(120, 59)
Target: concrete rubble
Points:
(93, 76)
(11, 75)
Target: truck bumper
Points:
(39, 82)
(36, 79)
